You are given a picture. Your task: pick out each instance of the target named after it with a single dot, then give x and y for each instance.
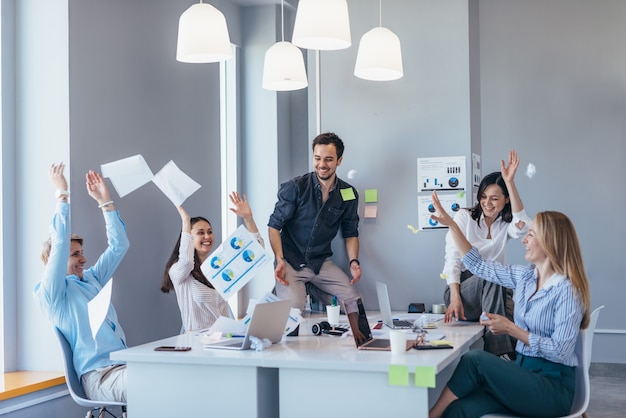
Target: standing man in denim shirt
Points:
(309, 212)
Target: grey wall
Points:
(554, 88)
(386, 126)
(128, 95)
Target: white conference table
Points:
(304, 376)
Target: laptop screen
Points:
(361, 324)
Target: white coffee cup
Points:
(397, 338)
(439, 308)
(332, 311)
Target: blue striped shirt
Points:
(552, 315)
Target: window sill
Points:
(14, 384)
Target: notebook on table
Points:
(268, 320)
(385, 309)
(368, 342)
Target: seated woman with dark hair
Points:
(552, 305)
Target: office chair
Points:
(583, 353)
(76, 388)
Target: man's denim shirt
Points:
(307, 226)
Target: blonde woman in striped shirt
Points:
(199, 303)
(551, 306)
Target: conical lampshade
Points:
(283, 68)
(202, 35)
(322, 24)
(379, 57)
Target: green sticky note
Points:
(371, 196)
(347, 194)
(425, 376)
(398, 375)
(461, 194)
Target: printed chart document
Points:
(234, 263)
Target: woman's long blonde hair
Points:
(558, 238)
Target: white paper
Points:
(451, 203)
(294, 319)
(228, 326)
(234, 263)
(127, 174)
(441, 173)
(98, 307)
(175, 184)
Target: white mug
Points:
(439, 308)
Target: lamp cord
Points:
(282, 19)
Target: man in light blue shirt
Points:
(67, 287)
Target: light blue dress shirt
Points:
(63, 299)
(552, 315)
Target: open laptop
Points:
(385, 309)
(268, 320)
(368, 343)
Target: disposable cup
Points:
(397, 338)
(333, 314)
(439, 308)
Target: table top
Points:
(308, 351)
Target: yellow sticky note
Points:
(398, 375)
(371, 211)
(440, 342)
(443, 276)
(371, 196)
(413, 229)
(425, 376)
(347, 194)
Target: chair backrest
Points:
(73, 383)
(584, 345)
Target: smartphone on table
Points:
(172, 348)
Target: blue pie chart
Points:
(248, 255)
(228, 275)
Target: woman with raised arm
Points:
(199, 303)
(552, 306)
(497, 217)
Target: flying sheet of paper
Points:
(127, 174)
(175, 184)
(234, 263)
(98, 307)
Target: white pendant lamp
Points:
(283, 68)
(322, 25)
(379, 57)
(202, 35)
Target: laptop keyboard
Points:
(378, 343)
(403, 324)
